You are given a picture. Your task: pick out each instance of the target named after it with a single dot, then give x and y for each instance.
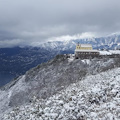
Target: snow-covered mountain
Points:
(109, 42)
(95, 97)
(50, 78)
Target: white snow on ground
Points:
(115, 51)
(96, 97)
(105, 53)
(72, 57)
(5, 96)
(87, 61)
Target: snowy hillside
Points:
(47, 79)
(96, 97)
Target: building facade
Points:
(85, 51)
(83, 47)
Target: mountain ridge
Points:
(75, 100)
(49, 78)
(109, 42)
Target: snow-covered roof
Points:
(78, 50)
(85, 45)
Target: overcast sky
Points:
(30, 22)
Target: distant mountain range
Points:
(109, 42)
(16, 61)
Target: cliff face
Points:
(49, 78)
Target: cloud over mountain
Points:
(28, 22)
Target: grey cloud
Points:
(27, 21)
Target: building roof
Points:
(85, 45)
(86, 50)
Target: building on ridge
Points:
(85, 51)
